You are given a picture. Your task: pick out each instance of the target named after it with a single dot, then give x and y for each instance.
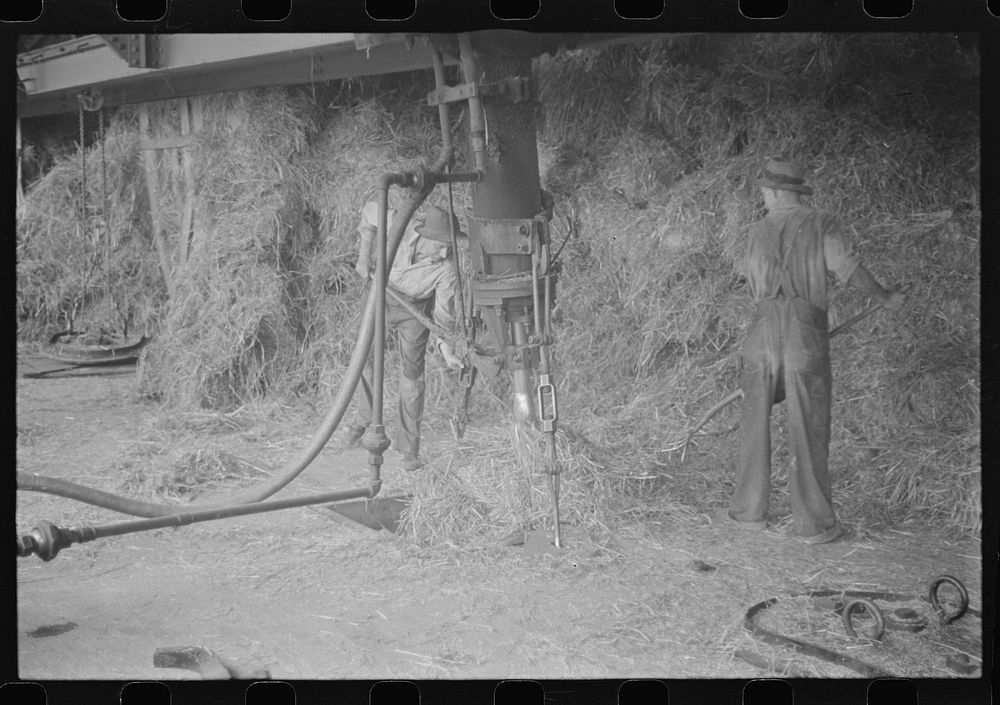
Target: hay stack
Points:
(234, 324)
(88, 271)
(268, 304)
(655, 204)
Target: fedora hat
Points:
(789, 176)
(433, 224)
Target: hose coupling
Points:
(375, 442)
(26, 546)
(404, 179)
(45, 541)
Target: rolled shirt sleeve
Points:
(444, 297)
(369, 219)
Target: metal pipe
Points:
(521, 377)
(463, 326)
(456, 177)
(535, 303)
(375, 441)
(477, 121)
(378, 372)
(439, 81)
(546, 390)
(548, 299)
(20, 155)
(47, 539)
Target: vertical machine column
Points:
(512, 284)
(505, 235)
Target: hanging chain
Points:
(91, 101)
(104, 170)
(83, 166)
(104, 208)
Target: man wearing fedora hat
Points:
(423, 274)
(786, 355)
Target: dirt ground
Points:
(306, 594)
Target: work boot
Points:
(829, 536)
(724, 518)
(354, 436)
(411, 462)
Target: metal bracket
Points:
(367, 41)
(55, 51)
(488, 365)
(141, 51)
(548, 407)
(518, 358)
(540, 246)
(517, 88)
(452, 94)
(376, 513)
(91, 100)
(511, 236)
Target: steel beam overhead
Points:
(136, 68)
(200, 64)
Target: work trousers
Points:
(786, 357)
(412, 337)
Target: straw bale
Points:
(88, 271)
(233, 325)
